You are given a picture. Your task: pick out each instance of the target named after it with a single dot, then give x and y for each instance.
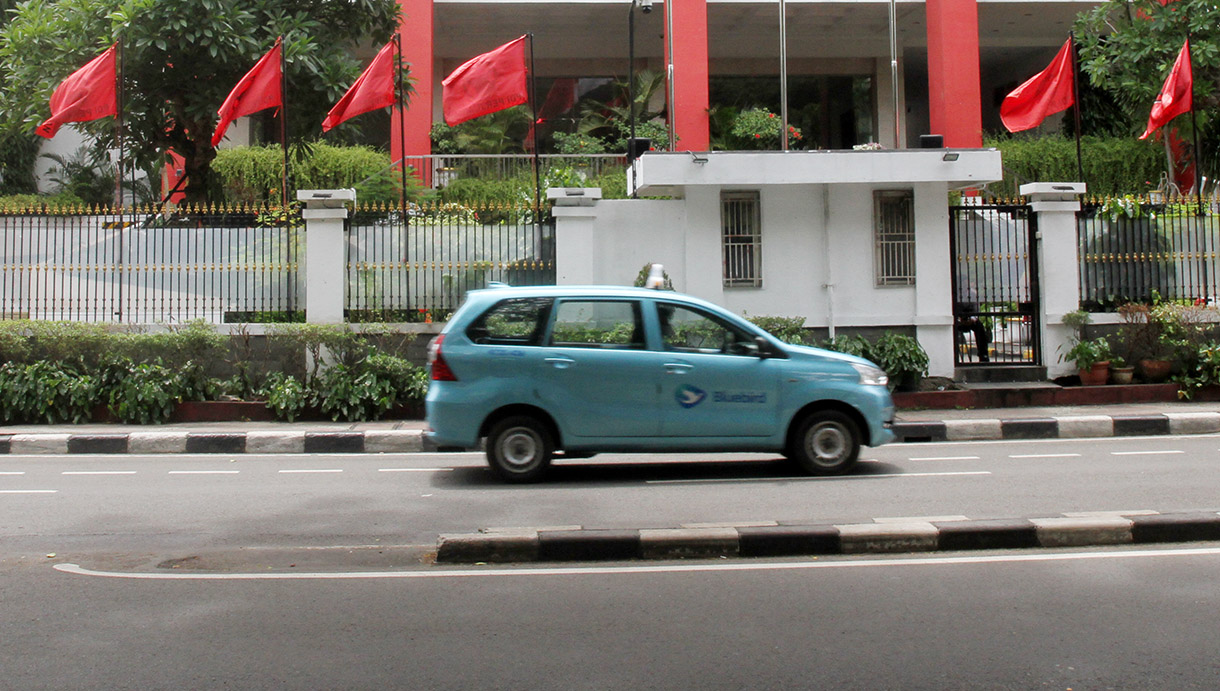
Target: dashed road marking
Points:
(1145, 453)
(28, 491)
(1045, 455)
(12, 472)
(312, 470)
(944, 458)
(414, 470)
(98, 472)
(204, 472)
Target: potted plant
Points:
(1092, 358)
(1120, 371)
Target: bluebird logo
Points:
(689, 396)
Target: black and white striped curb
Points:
(407, 441)
(179, 442)
(572, 543)
(1059, 427)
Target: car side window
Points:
(598, 324)
(512, 322)
(687, 330)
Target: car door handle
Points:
(678, 367)
(560, 362)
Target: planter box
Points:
(1070, 395)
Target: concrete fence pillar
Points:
(1056, 204)
(575, 211)
(325, 253)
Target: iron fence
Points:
(561, 170)
(142, 266)
(419, 268)
(1142, 252)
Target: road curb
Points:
(567, 544)
(229, 443)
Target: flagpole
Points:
(402, 163)
(537, 160)
(279, 41)
(1076, 102)
(118, 174)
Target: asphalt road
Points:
(1124, 619)
(287, 572)
(173, 506)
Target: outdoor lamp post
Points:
(646, 7)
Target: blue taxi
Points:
(583, 370)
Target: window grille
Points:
(741, 235)
(894, 233)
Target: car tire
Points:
(826, 443)
(519, 448)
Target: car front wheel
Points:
(826, 443)
(519, 448)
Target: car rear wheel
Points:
(519, 448)
(826, 443)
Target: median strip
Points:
(570, 543)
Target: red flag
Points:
(374, 89)
(87, 94)
(1043, 94)
(259, 89)
(486, 83)
(1175, 97)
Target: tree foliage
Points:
(180, 60)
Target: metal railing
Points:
(420, 270)
(437, 171)
(1142, 252)
(141, 266)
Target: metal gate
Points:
(995, 285)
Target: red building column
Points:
(954, 94)
(417, 52)
(690, 73)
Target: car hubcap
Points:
(827, 444)
(519, 447)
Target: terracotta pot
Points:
(1155, 371)
(1121, 375)
(1096, 375)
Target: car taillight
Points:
(436, 360)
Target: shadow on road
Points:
(633, 473)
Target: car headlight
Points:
(871, 376)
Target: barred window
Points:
(894, 232)
(741, 235)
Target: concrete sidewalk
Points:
(405, 436)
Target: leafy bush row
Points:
(1111, 165)
(56, 372)
(901, 356)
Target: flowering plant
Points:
(760, 129)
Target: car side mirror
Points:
(762, 348)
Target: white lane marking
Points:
(98, 472)
(1044, 455)
(204, 472)
(28, 491)
(813, 479)
(943, 458)
(1145, 453)
(12, 472)
(751, 565)
(313, 470)
(414, 470)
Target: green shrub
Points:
(286, 396)
(347, 393)
(1112, 165)
(252, 174)
(45, 392)
(852, 345)
(145, 393)
(786, 329)
(902, 358)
